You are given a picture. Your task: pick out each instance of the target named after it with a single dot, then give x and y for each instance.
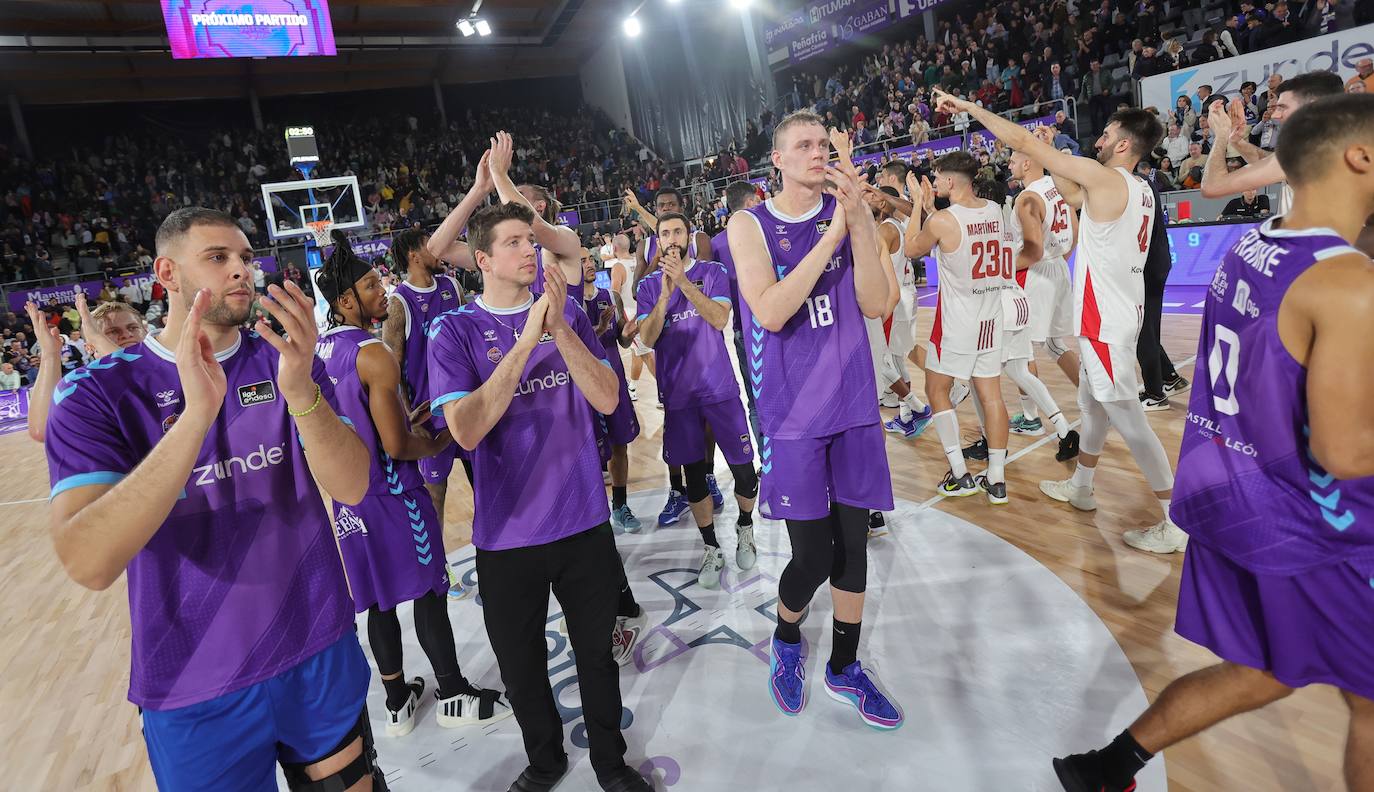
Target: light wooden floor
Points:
(64, 652)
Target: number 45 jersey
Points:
(813, 377)
(1247, 484)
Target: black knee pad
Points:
(746, 480)
(363, 765)
(812, 559)
(849, 571)
(696, 474)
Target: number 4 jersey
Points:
(814, 377)
(969, 305)
(1109, 274)
(1247, 484)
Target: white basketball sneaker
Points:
(1163, 537)
(627, 632)
(746, 554)
(401, 722)
(465, 709)
(1066, 491)
(712, 562)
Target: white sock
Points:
(997, 465)
(916, 404)
(1164, 504)
(1083, 476)
(947, 429)
(904, 410)
(1028, 408)
(1061, 425)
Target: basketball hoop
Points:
(320, 230)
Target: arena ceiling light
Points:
(632, 27)
(739, 5)
(465, 27)
(483, 27)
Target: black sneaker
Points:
(624, 780)
(1175, 385)
(997, 493)
(978, 450)
(1068, 446)
(1082, 773)
(533, 779)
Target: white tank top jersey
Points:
(1056, 227)
(906, 277)
(627, 288)
(1109, 273)
(1285, 198)
(970, 287)
(1015, 306)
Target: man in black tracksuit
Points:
(1157, 370)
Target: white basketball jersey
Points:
(1015, 306)
(627, 288)
(1285, 198)
(1056, 228)
(906, 277)
(1109, 273)
(969, 303)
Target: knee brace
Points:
(746, 480)
(1055, 347)
(812, 560)
(696, 474)
(364, 764)
(849, 568)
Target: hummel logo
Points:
(167, 398)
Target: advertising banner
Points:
(65, 294)
(1335, 52)
(248, 28)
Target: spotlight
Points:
(483, 27)
(632, 27)
(739, 5)
(465, 27)
(674, 2)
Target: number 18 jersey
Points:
(814, 377)
(969, 303)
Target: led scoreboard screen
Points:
(248, 28)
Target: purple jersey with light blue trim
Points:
(651, 247)
(595, 305)
(720, 248)
(691, 363)
(338, 348)
(538, 471)
(1247, 484)
(814, 377)
(421, 307)
(242, 581)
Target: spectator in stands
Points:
(1270, 92)
(1282, 27)
(1356, 87)
(1209, 50)
(1164, 176)
(1320, 17)
(1057, 84)
(1248, 102)
(1254, 31)
(1175, 143)
(1249, 204)
(1364, 72)
(1190, 169)
(10, 380)
(1265, 134)
(1096, 94)
(1228, 37)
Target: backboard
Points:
(292, 204)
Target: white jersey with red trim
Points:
(1109, 272)
(1015, 306)
(969, 303)
(905, 310)
(1056, 227)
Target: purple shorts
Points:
(392, 548)
(684, 433)
(435, 469)
(1315, 627)
(802, 477)
(622, 426)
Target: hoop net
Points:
(320, 230)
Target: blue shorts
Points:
(235, 742)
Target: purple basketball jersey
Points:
(538, 471)
(814, 377)
(1247, 484)
(720, 248)
(692, 365)
(421, 307)
(338, 348)
(242, 581)
(392, 543)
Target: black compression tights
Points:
(433, 629)
(832, 548)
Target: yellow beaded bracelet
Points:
(319, 397)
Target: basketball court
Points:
(1008, 634)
